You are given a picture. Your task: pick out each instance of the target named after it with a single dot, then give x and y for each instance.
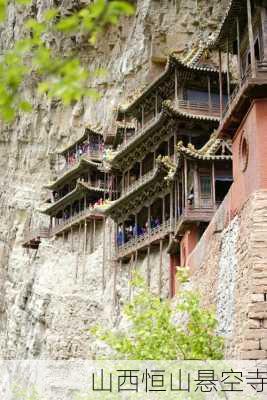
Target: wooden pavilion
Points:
(243, 34)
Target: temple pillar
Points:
(228, 69)
(213, 186)
(163, 209)
(160, 266)
(196, 186)
(148, 266)
(176, 84)
(171, 207)
(251, 40)
(185, 182)
(220, 84)
(209, 94)
(149, 219)
(238, 52)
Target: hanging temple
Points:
(173, 153)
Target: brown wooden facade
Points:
(243, 34)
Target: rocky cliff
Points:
(48, 300)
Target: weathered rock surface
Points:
(45, 309)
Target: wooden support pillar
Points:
(104, 255)
(94, 229)
(160, 266)
(130, 276)
(71, 233)
(115, 237)
(228, 70)
(141, 169)
(175, 201)
(128, 181)
(185, 183)
(209, 93)
(171, 207)
(220, 84)
(251, 40)
(183, 192)
(174, 145)
(148, 266)
(196, 188)
(85, 236)
(79, 236)
(123, 182)
(163, 210)
(176, 84)
(110, 243)
(213, 186)
(156, 105)
(178, 196)
(115, 273)
(149, 219)
(143, 116)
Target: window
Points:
(205, 186)
(244, 153)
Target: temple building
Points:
(81, 189)
(180, 162)
(172, 169)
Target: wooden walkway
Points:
(145, 240)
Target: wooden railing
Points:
(139, 132)
(261, 70)
(67, 223)
(138, 242)
(89, 155)
(145, 178)
(199, 108)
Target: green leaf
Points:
(68, 24)
(25, 106)
(24, 2)
(50, 14)
(3, 4)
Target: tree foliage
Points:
(58, 76)
(161, 329)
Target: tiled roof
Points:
(208, 151)
(83, 162)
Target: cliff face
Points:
(49, 300)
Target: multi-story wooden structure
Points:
(81, 189)
(157, 179)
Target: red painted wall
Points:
(251, 175)
(174, 263)
(187, 244)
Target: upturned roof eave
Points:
(161, 171)
(87, 132)
(173, 60)
(83, 162)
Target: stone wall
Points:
(229, 267)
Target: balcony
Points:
(240, 100)
(141, 241)
(90, 155)
(142, 180)
(139, 132)
(68, 223)
(197, 108)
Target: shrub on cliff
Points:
(163, 329)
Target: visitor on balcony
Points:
(190, 198)
(120, 236)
